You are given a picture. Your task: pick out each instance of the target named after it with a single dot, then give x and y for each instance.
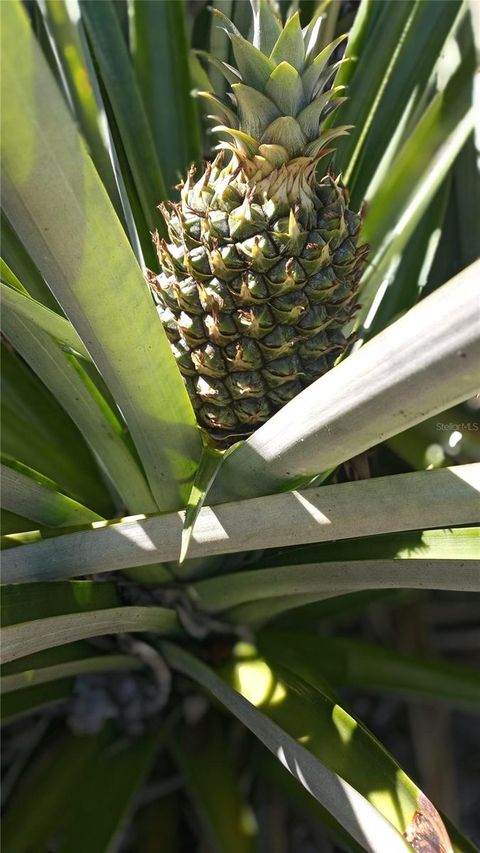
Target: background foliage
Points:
(133, 680)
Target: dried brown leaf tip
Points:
(427, 833)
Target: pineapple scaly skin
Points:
(261, 271)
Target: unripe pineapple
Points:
(262, 269)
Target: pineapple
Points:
(262, 267)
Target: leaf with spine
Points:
(344, 662)
(83, 253)
(211, 781)
(29, 493)
(313, 716)
(416, 175)
(224, 113)
(80, 397)
(108, 791)
(37, 432)
(351, 809)
(284, 88)
(319, 67)
(117, 76)
(79, 75)
(25, 638)
(448, 496)
(255, 110)
(160, 59)
(416, 368)
(228, 71)
(289, 46)
(309, 117)
(253, 65)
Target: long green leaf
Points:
(309, 579)
(37, 432)
(46, 674)
(354, 812)
(48, 796)
(278, 777)
(28, 700)
(25, 638)
(370, 79)
(311, 714)
(83, 89)
(418, 171)
(406, 284)
(415, 58)
(461, 543)
(54, 198)
(160, 56)
(47, 320)
(30, 494)
(415, 368)
(445, 497)
(101, 427)
(107, 794)
(345, 662)
(21, 264)
(210, 779)
(39, 600)
(116, 73)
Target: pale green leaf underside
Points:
(26, 638)
(336, 578)
(26, 496)
(54, 199)
(81, 399)
(445, 497)
(354, 812)
(46, 320)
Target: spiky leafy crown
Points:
(277, 92)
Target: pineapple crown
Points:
(277, 99)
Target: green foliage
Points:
(107, 477)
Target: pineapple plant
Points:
(261, 274)
(213, 702)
